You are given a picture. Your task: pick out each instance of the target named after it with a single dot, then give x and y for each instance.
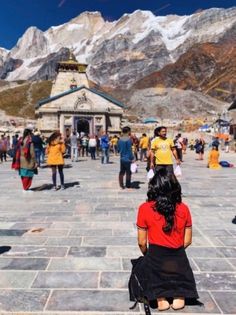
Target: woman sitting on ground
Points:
(164, 231)
(55, 150)
(213, 158)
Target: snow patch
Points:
(74, 27)
(24, 71)
(171, 30)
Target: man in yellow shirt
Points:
(162, 150)
(143, 144)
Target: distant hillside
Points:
(20, 100)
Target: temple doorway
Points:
(83, 126)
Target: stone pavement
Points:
(70, 250)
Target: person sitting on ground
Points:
(213, 159)
(164, 231)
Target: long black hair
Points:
(27, 132)
(53, 137)
(165, 190)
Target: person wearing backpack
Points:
(164, 232)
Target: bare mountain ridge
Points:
(114, 48)
(209, 68)
(140, 51)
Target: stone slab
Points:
(213, 264)
(109, 240)
(23, 263)
(85, 263)
(114, 280)
(82, 300)
(226, 301)
(16, 279)
(37, 251)
(68, 280)
(87, 251)
(23, 300)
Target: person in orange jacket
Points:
(55, 150)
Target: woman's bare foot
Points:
(178, 303)
(163, 304)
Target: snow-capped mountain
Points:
(3, 55)
(119, 53)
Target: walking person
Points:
(105, 148)
(24, 160)
(164, 232)
(3, 148)
(92, 147)
(97, 145)
(38, 146)
(143, 144)
(199, 146)
(85, 141)
(179, 146)
(227, 145)
(55, 150)
(126, 157)
(162, 150)
(74, 147)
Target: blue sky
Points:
(17, 15)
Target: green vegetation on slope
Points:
(21, 100)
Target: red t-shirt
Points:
(153, 222)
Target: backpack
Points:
(136, 286)
(226, 164)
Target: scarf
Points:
(26, 150)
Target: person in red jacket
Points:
(164, 231)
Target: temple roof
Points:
(102, 94)
(73, 63)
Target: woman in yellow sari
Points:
(213, 159)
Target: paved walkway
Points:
(70, 250)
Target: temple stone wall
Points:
(63, 81)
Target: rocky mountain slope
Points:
(138, 52)
(209, 68)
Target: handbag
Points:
(137, 285)
(178, 171)
(133, 168)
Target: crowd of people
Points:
(157, 151)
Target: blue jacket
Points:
(125, 149)
(104, 142)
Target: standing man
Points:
(105, 145)
(126, 157)
(74, 147)
(38, 146)
(143, 144)
(162, 150)
(179, 146)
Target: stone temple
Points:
(73, 105)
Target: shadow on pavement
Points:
(136, 184)
(50, 186)
(4, 249)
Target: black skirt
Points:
(166, 272)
